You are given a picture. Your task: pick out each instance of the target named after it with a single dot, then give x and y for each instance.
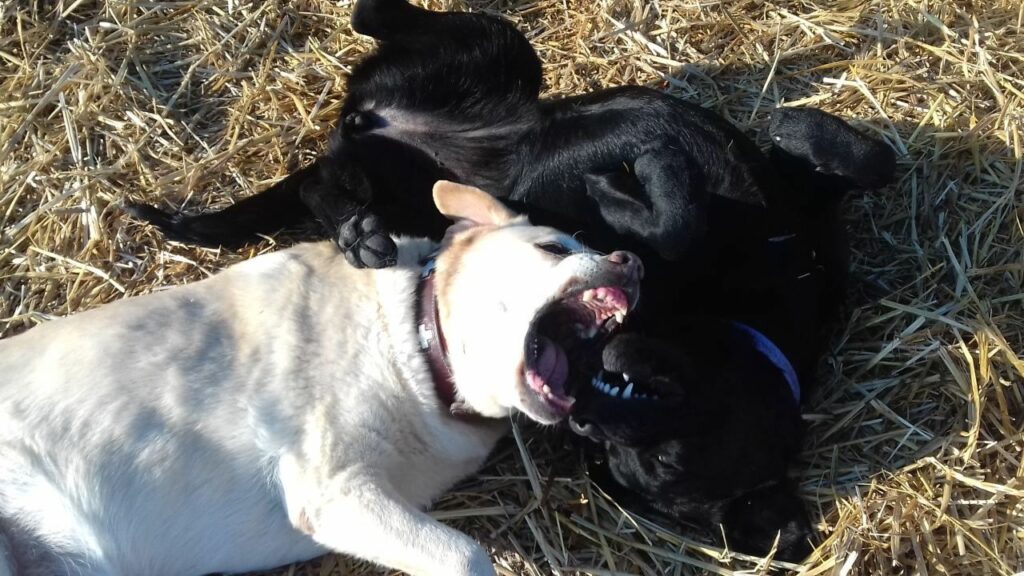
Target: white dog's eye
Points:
(554, 248)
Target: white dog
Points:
(292, 404)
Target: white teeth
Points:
(615, 391)
(625, 377)
(620, 316)
(607, 388)
(595, 383)
(546, 389)
(588, 295)
(628, 392)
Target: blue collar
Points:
(768, 348)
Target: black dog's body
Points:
(455, 96)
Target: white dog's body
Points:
(203, 459)
(263, 416)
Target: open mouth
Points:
(614, 398)
(564, 333)
(621, 387)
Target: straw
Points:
(915, 451)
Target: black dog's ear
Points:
(754, 520)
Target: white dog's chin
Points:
(563, 333)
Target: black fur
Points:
(714, 449)
(726, 426)
(455, 96)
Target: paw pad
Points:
(365, 243)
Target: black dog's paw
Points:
(831, 146)
(365, 243)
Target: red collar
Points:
(433, 345)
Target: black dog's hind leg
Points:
(469, 67)
(276, 208)
(818, 158)
(383, 19)
(812, 141)
(656, 203)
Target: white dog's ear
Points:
(461, 202)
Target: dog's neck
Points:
(433, 345)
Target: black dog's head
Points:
(700, 430)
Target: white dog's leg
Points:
(363, 517)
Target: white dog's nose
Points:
(631, 262)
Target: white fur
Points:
(275, 411)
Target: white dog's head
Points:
(520, 304)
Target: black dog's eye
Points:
(554, 248)
(668, 461)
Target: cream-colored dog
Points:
(292, 404)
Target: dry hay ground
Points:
(914, 460)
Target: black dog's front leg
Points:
(339, 199)
(331, 190)
(278, 207)
(655, 202)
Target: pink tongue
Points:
(552, 367)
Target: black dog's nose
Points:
(631, 262)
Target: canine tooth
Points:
(588, 296)
(620, 316)
(547, 389)
(627, 392)
(615, 392)
(625, 377)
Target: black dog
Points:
(455, 96)
(701, 423)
